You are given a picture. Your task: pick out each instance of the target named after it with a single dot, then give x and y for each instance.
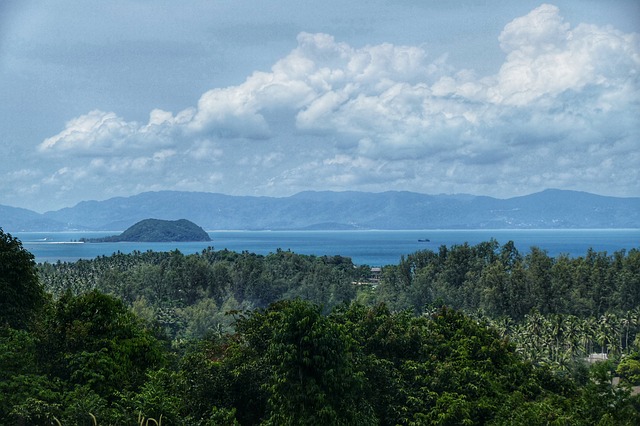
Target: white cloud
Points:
(330, 115)
(95, 131)
(547, 57)
(100, 133)
(540, 31)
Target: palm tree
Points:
(589, 331)
(574, 335)
(537, 331)
(504, 326)
(608, 332)
(557, 331)
(630, 324)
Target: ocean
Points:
(373, 248)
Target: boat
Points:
(425, 240)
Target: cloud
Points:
(539, 32)
(545, 57)
(100, 133)
(95, 131)
(560, 112)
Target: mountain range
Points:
(337, 210)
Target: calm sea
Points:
(374, 248)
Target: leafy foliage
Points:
(466, 335)
(21, 295)
(313, 379)
(186, 294)
(157, 230)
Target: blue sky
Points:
(499, 98)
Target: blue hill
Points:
(340, 210)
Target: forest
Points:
(466, 334)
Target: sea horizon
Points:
(365, 247)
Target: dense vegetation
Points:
(156, 230)
(466, 335)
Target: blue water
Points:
(374, 248)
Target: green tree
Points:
(538, 275)
(496, 300)
(21, 295)
(94, 340)
(629, 369)
(217, 374)
(313, 379)
(26, 395)
(604, 404)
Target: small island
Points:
(156, 230)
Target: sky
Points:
(270, 98)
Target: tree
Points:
(605, 404)
(25, 394)
(313, 380)
(495, 297)
(538, 275)
(94, 340)
(21, 295)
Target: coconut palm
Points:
(608, 332)
(574, 335)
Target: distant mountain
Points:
(157, 230)
(340, 210)
(14, 219)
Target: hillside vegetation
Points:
(463, 335)
(156, 230)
